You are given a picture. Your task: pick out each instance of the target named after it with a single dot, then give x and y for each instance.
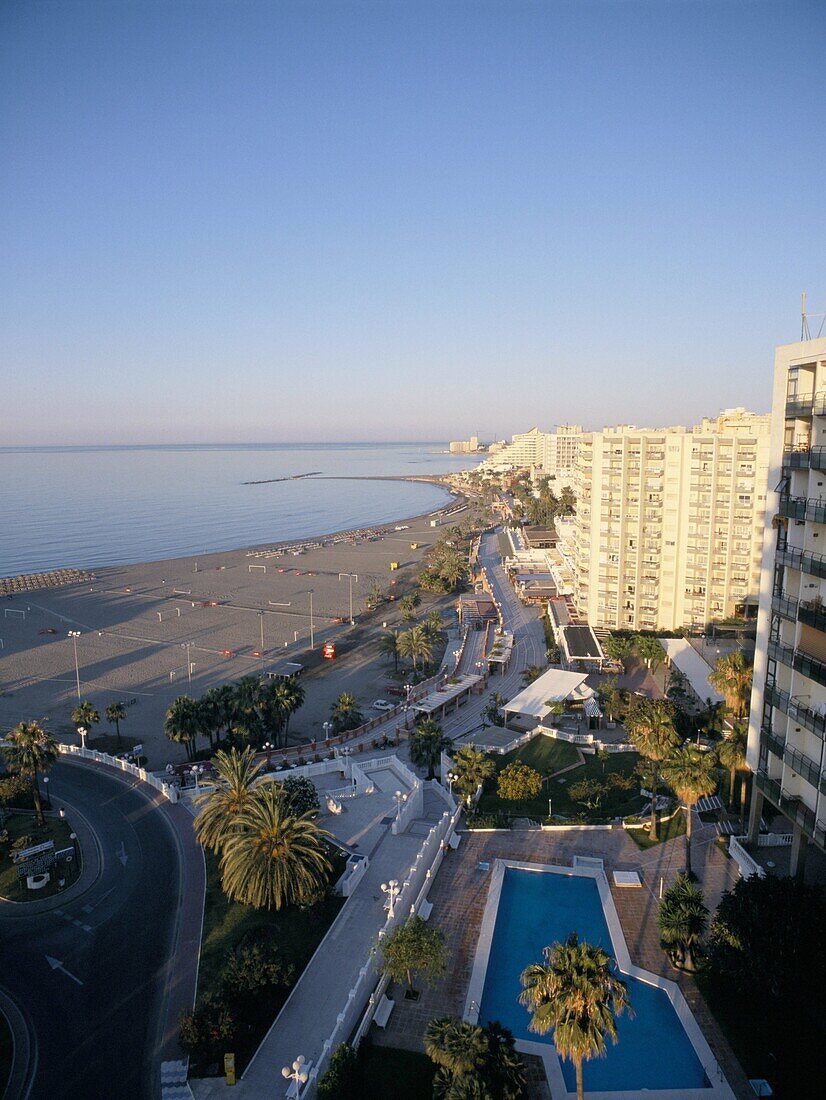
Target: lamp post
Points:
(392, 890)
(550, 809)
(353, 577)
(312, 626)
(400, 801)
(46, 794)
(451, 777)
(196, 771)
(73, 838)
(74, 635)
(187, 646)
(327, 726)
(296, 1074)
(261, 621)
(268, 750)
(81, 732)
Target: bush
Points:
(340, 1082)
(22, 842)
(301, 794)
(518, 782)
(208, 1032)
(488, 821)
(14, 790)
(254, 969)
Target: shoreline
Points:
(20, 583)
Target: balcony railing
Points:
(775, 743)
(810, 508)
(800, 404)
(812, 614)
(813, 564)
(796, 810)
(801, 764)
(797, 458)
(768, 786)
(798, 712)
(783, 605)
(810, 666)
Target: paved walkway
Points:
(459, 895)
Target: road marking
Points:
(94, 905)
(56, 964)
(121, 853)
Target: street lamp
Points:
(73, 838)
(550, 810)
(268, 747)
(74, 635)
(46, 794)
(81, 732)
(400, 801)
(353, 577)
(187, 646)
(392, 890)
(197, 771)
(296, 1074)
(451, 777)
(327, 726)
(261, 621)
(62, 813)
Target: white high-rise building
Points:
(561, 445)
(526, 450)
(669, 522)
(787, 724)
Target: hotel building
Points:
(669, 523)
(787, 724)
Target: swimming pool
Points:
(532, 906)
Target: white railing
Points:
(168, 790)
(409, 810)
(747, 864)
(775, 840)
(362, 1000)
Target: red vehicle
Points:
(328, 651)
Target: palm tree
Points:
(732, 677)
(471, 769)
(433, 624)
(531, 673)
(273, 858)
(691, 773)
(345, 713)
(247, 720)
(648, 649)
(389, 647)
(732, 753)
(84, 716)
(651, 729)
(682, 920)
(183, 723)
(408, 605)
(427, 742)
(452, 570)
(235, 777)
(115, 714)
(214, 705)
(29, 750)
(576, 992)
(456, 1046)
(421, 643)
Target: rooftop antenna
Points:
(805, 332)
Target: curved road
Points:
(104, 1037)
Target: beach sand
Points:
(137, 621)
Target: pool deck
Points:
(459, 896)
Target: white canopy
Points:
(685, 657)
(553, 686)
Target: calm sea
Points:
(93, 506)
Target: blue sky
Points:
(335, 221)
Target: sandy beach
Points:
(140, 626)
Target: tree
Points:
(732, 753)
(576, 992)
(183, 723)
(272, 857)
(471, 769)
(531, 673)
(682, 920)
(474, 1061)
(341, 1081)
(651, 729)
(492, 711)
(278, 700)
(588, 792)
(414, 948)
(345, 713)
(217, 706)
(732, 677)
(301, 795)
(84, 716)
(768, 935)
(421, 643)
(252, 972)
(427, 743)
(518, 782)
(433, 624)
(115, 714)
(648, 649)
(208, 1031)
(389, 647)
(691, 774)
(407, 607)
(618, 647)
(235, 776)
(247, 719)
(29, 750)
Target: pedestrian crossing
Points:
(173, 1081)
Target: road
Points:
(90, 975)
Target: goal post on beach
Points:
(251, 567)
(13, 611)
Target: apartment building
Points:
(787, 724)
(525, 451)
(464, 446)
(669, 522)
(560, 451)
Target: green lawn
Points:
(17, 825)
(543, 754)
(667, 830)
(402, 1074)
(228, 925)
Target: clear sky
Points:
(336, 221)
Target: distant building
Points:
(561, 447)
(526, 450)
(669, 523)
(465, 446)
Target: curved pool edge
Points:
(717, 1089)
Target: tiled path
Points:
(460, 892)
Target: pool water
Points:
(539, 908)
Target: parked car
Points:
(383, 704)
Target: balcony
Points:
(770, 787)
(799, 404)
(810, 666)
(813, 564)
(812, 614)
(802, 765)
(803, 508)
(782, 605)
(775, 743)
(813, 721)
(796, 810)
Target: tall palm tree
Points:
(471, 769)
(29, 750)
(732, 753)
(84, 716)
(421, 642)
(455, 1045)
(732, 676)
(682, 920)
(115, 714)
(183, 723)
(576, 992)
(452, 570)
(345, 713)
(433, 624)
(235, 777)
(389, 647)
(427, 742)
(406, 646)
(293, 701)
(692, 774)
(273, 858)
(247, 720)
(651, 729)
